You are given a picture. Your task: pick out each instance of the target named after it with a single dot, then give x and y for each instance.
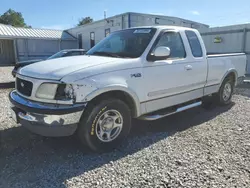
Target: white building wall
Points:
(234, 38)
(40, 49)
(138, 19)
(68, 44)
(114, 23)
(21, 49)
(231, 42)
(124, 21)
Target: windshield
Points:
(58, 54)
(129, 43)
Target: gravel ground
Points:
(5, 74)
(196, 148)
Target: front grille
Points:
(24, 87)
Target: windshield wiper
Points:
(110, 54)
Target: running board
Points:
(155, 116)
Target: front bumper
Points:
(46, 119)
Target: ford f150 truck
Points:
(146, 73)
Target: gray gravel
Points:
(5, 74)
(196, 148)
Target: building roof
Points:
(137, 13)
(7, 31)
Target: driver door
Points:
(170, 81)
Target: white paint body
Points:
(162, 83)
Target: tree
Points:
(85, 20)
(11, 17)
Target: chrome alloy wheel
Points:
(109, 125)
(227, 91)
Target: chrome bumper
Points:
(46, 119)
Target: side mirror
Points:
(162, 52)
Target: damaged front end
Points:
(44, 118)
(65, 92)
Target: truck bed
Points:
(216, 62)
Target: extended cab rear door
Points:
(180, 77)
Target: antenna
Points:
(105, 17)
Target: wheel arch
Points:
(119, 92)
(230, 73)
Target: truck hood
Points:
(56, 69)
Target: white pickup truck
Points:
(145, 72)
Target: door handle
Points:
(188, 67)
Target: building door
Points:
(107, 32)
(79, 41)
(92, 39)
(7, 55)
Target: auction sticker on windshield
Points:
(142, 31)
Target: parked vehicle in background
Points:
(145, 72)
(62, 53)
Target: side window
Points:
(66, 54)
(194, 44)
(173, 41)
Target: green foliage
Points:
(85, 20)
(11, 17)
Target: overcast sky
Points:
(61, 14)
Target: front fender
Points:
(116, 87)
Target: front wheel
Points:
(225, 93)
(105, 125)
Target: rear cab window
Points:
(194, 43)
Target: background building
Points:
(17, 44)
(90, 34)
(228, 39)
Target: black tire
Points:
(219, 96)
(87, 132)
(208, 102)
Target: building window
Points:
(107, 32)
(196, 26)
(80, 41)
(157, 20)
(92, 39)
(194, 43)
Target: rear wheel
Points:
(224, 96)
(105, 125)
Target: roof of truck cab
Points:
(165, 27)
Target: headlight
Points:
(65, 92)
(47, 91)
(55, 91)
